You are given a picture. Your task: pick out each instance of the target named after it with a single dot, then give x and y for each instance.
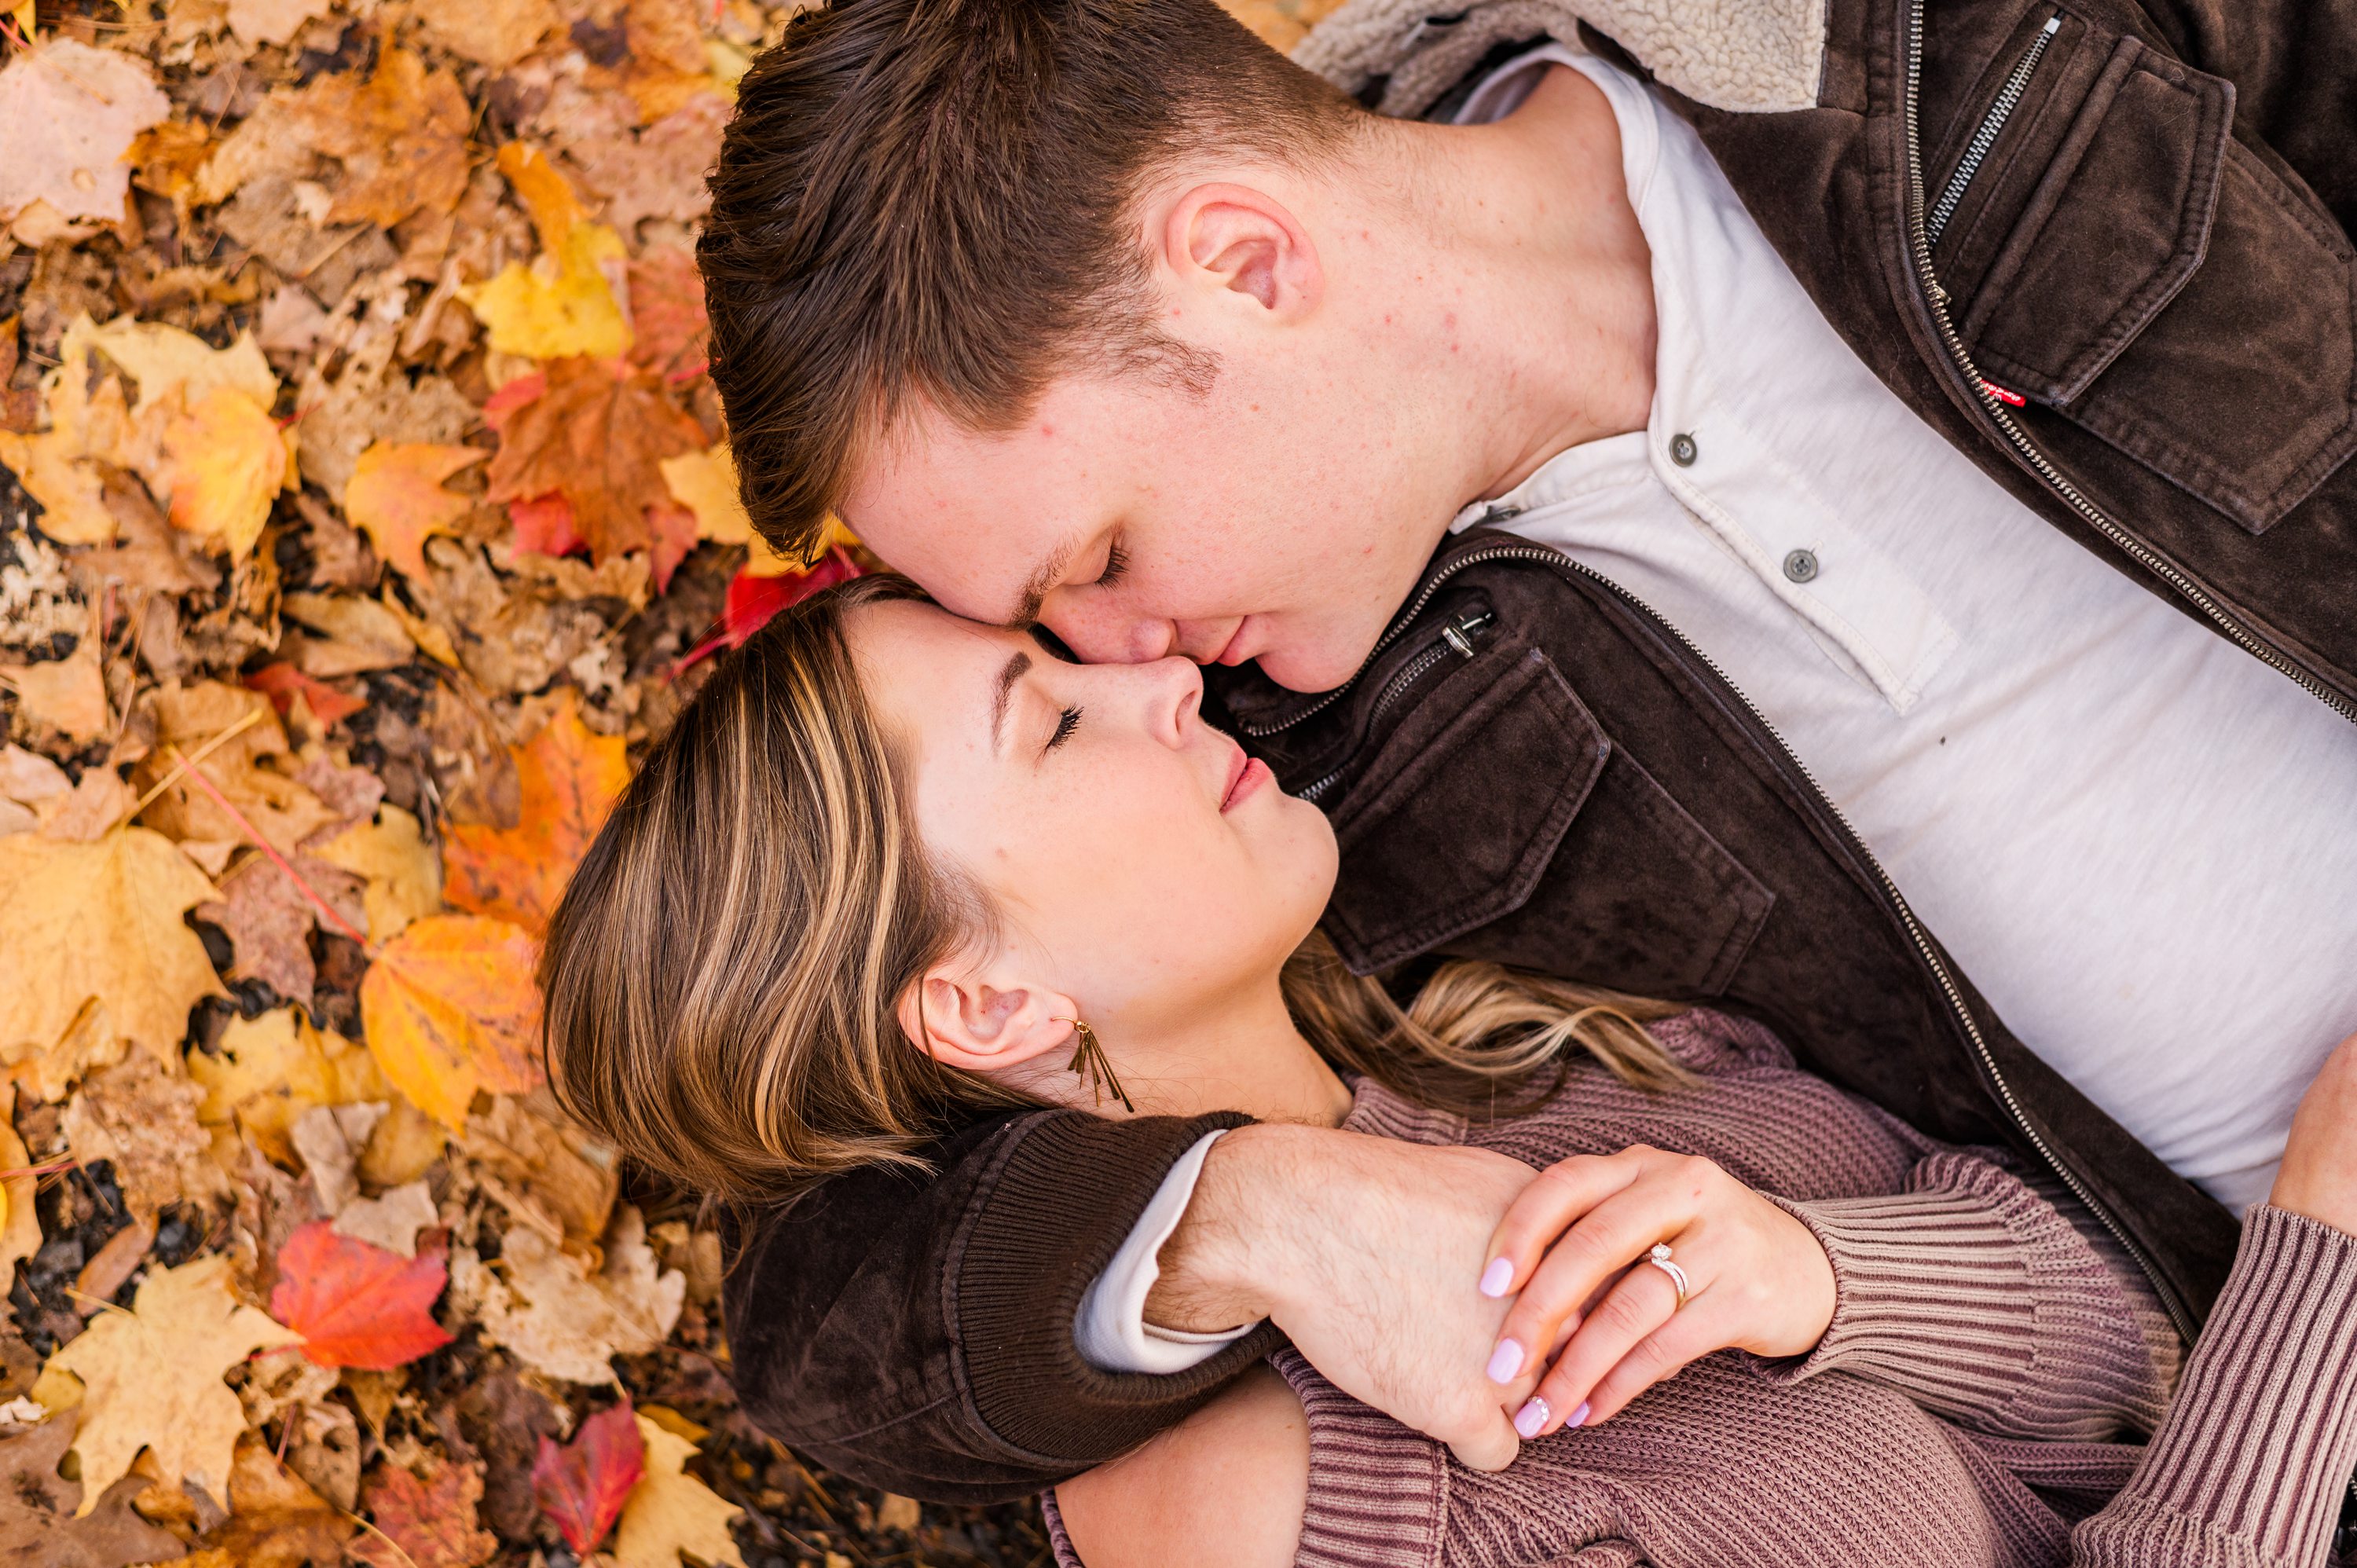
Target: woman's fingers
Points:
(1629, 1314)
(1605, 1239)
(1692, 1333)
(1554, 1200)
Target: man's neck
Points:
(1535, 282)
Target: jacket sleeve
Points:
(2251, 1465)
(1979, 1299)
(913, 1331)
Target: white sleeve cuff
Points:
(1111, 1327)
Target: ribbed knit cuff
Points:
(2249, 1469)
(1973, 1296)
(1378, 1490)
(1043, 1225)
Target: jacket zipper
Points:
(2134, 549)
(1985, 137)
(1528, 551)
(1457, 637)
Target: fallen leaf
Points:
(142, 1116)
(276, 1521)
(392, 1222)
(668, 320)
(151, 1378)
(395, 494)
(97, 927)
(544, 1170)
(362, 634)
(281, 684)
(326, 1450)
(570, 779)
(669, 1512)
(400, 135)
(430, 1520)
(560, 304)
(449, 1007)
(67, 695)
(557, 1317)
(598, 439)
(175, 369)
(403, 873)
(265, 1071)
(112, 1265)
(543, 524)
(357, 1304)
(505, 1418)
(230, 463)
(71, 111)
(20, 1234)
(269, 919)
(42, 1524)
(330, 1139)
(272, 21)
(754, 600)
(252, 769)
(489, 32)
(582, 1485)
(659, 173)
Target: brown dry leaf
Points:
(143, 1117)
(370, 403)
(272, 21)
(396, 495)
(151, 1378)
(41, 1523)
(113, 1264)
(392, 1222)
(93, 948)
(265, 1073)
(598, 440)
(20, 1234)
(431, 1520)
(544, 1170)
(505, 1418)
(489, 32)
(663, 62)
(269, 921)
(250, 769)
(511, 637)
(402, 872)
(400, 135)
(561, 1319)
(360, 635)
(276, 1519)
(670, 1512)
(67, 695)
(71, 111)
(659, 173)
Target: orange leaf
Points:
(282, 682)
(355, 1304)
(569, 778)
(449, 1007)
(431, 1522)
(395, 493)
(229, 461)
(599, 439)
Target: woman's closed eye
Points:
(1066, 721)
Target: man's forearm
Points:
(1217, 1271)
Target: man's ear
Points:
(1240, 244)
(983, 1021)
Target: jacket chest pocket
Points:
(2111, 252)
(1500, 820)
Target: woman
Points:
(891, 867)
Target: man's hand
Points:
(1574, 1246)
(1368, 1252)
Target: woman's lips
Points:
(1244, 779)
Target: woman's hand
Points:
(1575, 1243)
(2318, 1175)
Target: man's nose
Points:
(1102, 639)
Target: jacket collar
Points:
(1744, 55)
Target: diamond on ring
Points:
(1660, 1258)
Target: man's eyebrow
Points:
(1004, 687)
(1036, 588)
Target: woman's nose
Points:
(1174, 690)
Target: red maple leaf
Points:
(754, 601)
(582, 1484)
(545, 524)
(282, 680)
(355, 1304)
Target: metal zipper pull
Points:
(1991, 124)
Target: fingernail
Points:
(1577, 1417)
(1497, 1277)
(1505, 1361)
(1533, 1415)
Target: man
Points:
(1724, 516)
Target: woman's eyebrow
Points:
(1004, 687)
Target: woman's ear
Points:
(983, 1021)
(1241, 245)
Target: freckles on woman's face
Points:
(1132, 845)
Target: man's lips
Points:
(1229, 652)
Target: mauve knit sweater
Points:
(1980, 1399)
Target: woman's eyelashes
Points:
(1066, 721)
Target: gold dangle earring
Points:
(1094, 1067)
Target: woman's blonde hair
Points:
(724, 974)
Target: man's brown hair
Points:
(928, 198)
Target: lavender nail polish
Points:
(1505, 1361)
(1533, 1415)
(1497, 1277)
(1576, 1418)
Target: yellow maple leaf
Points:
(151, 1379)
(229, 461)
(95, 928)
(172, 365)
(267, 1070)
(395, 493)
(404, 873)
(564, 302)
(450, 1006)
(670, 1511)
(49, 466)
(706, 484)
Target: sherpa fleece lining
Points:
(1747, 55)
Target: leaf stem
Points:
(266, 846)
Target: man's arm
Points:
(917, 1333)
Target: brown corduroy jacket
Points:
(2132, 218)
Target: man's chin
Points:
(1309, 670)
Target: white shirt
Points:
(2139, 842)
